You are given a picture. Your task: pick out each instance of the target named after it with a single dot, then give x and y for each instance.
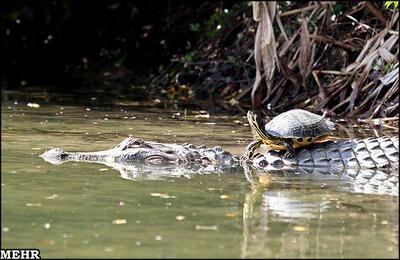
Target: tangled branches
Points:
(339, 58)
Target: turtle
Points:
(287, 131)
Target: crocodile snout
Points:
(54, 155)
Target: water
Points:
(88, 210)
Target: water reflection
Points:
(299, 214)
(77, 209)
(289, 208)
(293, 222)
(355, 180)
(144, 171)
(358, 180)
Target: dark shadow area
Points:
(337, 58)
(67, 44)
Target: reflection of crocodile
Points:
(364, 161)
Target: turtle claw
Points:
(245, 158)
(289, 154)
(290, 150)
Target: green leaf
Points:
(194, 27)
(389, 3)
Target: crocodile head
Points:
(273, 160)
(146, 155)
(130, 142)
(54, 156)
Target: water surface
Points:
(88, 210)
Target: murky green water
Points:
(88, 210)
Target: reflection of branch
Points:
(258, 186)
(247, 208)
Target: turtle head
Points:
(257, 125)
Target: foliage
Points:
(389, 3)
(206, 49)
(342, 34)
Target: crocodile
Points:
(371, 162)
(136, 159)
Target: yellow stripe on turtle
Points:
(304, 141)
(274, 144)
(297, 142)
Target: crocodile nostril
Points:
(218, 149)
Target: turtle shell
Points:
(298, 123)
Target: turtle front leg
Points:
(289, 147)
(249, 151)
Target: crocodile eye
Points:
(136, 142)
(263, 163)
(300, 140)
(309, 139)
